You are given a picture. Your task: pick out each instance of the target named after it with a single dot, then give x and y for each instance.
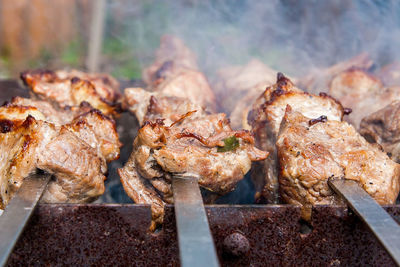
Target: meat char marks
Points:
(69, 89)
(72, 143)
(310, 154)
(179, 136)
(265, 118)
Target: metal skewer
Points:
(377, 219)
(196, 245)
(18, 212)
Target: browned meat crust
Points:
(70, 89)
(383, 127)
(309, 155)
(89, 124)
(73, 145)
(265, 119)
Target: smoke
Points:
(290, 36)
(294, 37)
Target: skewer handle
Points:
(196, 245)
(377, 219)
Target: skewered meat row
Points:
(265, 119)
(72, 143)
(178, 136)
(309, 143)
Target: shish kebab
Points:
(302, 178)
(57, 132)
(180, 146)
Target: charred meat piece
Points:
(319, 79)
(265, 119)
(362, 92)
(73, 144)
(35, 144)
(90, 125)
(175, 73)
(237, 87)
(201, 146)
(383, 127)
(70, 89)
(310, 154)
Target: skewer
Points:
(377, 219)
(196, 245)
(18, 212)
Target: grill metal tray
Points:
(116, 235)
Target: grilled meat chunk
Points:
(383, 127)
(237, 87)
(319, 79)
(204, 147)
(90, 125)
(35, 144)
(265, 119)
(309, 154)
(70, 89)
(175, 73)
(362, 92)
(73, 144)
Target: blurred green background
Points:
(288, 35)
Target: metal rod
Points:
(18, 212)
(96, 35)
(196, 245)
(377, 219)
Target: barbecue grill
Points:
(245, 235)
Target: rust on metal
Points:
(117, 235)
